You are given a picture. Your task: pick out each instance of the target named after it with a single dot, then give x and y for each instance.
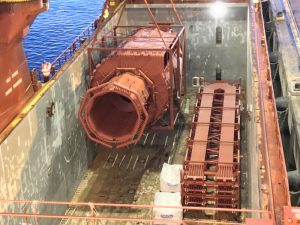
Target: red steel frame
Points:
(211, 171)
(177, 46)
(131, 50)
(173, 50)
(291, 216)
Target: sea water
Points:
(54, 30)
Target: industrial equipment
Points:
(211, 171)
(139, 80)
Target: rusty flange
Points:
(114, 114)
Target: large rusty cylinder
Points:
(130, 89)
(115, 112)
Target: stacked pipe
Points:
(131, 88)
(211, 171)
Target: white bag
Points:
(167, 199)
(170, 178)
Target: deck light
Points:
(218, 10)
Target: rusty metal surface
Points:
(116, 110)
(15, 82)
(256, 221)
(141, 40)
(291, 215)
(212, 156)
(271, 146)
(150, 75)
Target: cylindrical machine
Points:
(116, 110)
(130, 89)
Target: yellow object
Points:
(106, 13)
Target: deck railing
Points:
(82, 39)
(32, 212)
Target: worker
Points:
(52, 70)
(106, 13)
(46, 67)
(96, 22)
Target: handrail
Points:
(94, 211)
(134, 206)
(68, 53)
